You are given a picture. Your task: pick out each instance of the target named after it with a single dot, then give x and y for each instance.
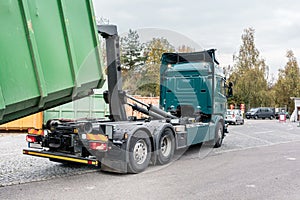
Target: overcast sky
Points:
(212, 24)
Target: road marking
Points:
(263, 132)
(90, 187)
(253, 147)
(250, 186)
(255, 138)
(291, 159)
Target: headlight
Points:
(179, 128)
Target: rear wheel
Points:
(139, 152)
(218, 135)
(166, 147)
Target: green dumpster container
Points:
(49, 55)
(92, 106)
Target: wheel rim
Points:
(165, 146)
(140, 151)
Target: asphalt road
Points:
(258, 160)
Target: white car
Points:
(234, 117)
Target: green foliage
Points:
(288, 84)
(141, 62)
(249, 74)
(131, 51)
(132, 59)
(149, 83)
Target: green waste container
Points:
(49, 55)
(91, 107)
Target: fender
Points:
(158, 134)
(149, 128)
(154, 130)
(218, 118)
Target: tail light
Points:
(98, 146)
(36, 131)
(31, 138)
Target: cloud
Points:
(215, 24)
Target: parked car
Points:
(260, 113)
(277, 114)
(234, 117)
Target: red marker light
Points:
(98, 146)
(31, 138)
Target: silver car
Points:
(234, 117)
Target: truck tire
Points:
(139, 152)
(218, 135)
(166, 147)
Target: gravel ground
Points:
(16, 168)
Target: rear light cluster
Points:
(32, 138)
(35, 131)
(101, 146)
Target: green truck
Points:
(192, 94)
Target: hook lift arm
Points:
(115, 96)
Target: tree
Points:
(149, 83)
(249, 74)
(288, 83)
(132, 58)
(185, 49)
(131, 51)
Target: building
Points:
(296, 114)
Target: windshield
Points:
(253, 110)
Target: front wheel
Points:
(218, 135)
(139, 152)
(166, 147)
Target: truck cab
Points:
(193, 86)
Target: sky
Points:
(212, 24)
